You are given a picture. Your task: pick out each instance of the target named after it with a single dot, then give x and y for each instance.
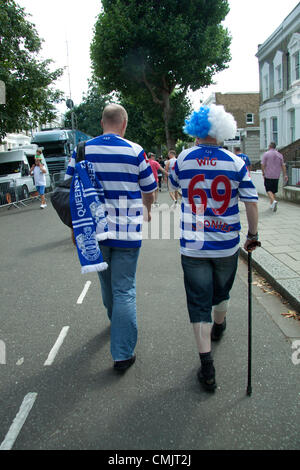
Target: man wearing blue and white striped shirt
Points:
(128, 183)
(212, 181)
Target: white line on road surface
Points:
(56, 346)
(18, 422)
(84, 292)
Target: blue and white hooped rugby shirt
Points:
(212, 180)
(123, 171)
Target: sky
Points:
(67, 29)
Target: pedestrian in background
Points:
(174, 194)
(272, 164)
(243, 156)
(156, 167)
(128, 183)
(159, 172)
(212, 181)
(38, 171)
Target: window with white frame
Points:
(296, 58)
(291, 125)
(274, 130)
(294, 51)
(265, 81)
(278, 77)
(264, 133)
(250, 118)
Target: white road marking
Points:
(20, 361)
(56, 346)
(84, 292)
(18, 422)
(30, 398)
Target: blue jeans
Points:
(118, 288)
(207, 282)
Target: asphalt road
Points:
(80, 403)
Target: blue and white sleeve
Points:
(174, 178)
(247, 190)
(146, 178)
(70, 170)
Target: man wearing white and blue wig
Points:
(212, 181)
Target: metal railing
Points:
(57, 178)
(12, 195)
(8, 193)
(293, 172)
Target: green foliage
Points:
(159, 46)
(145, 119)
(30, 97)
(88, 113)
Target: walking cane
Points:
(252, 245)
(249, 386)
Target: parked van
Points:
(15, 180)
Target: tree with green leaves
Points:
(30, 95)
(145, 123)
(145, 119)
(160, 46)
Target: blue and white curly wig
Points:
(211, 121)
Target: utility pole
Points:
(69, 102)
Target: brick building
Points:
(245, 109)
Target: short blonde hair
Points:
(114, 114)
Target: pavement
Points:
(278, 259)
(81, 404)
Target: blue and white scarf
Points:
(88, 217)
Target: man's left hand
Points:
(73, 237)
(251, 245)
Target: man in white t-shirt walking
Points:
(38, 171)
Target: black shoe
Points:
(123, 365)
(218, 330)
(206, 376)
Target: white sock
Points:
(202, 336)
(219, 317)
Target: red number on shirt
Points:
(192, 193)
(221, 197)
(198, 192)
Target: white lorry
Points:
(15, 180)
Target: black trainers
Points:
(206, 376)
(218, 330)
(123, 365)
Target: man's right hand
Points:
(148, 199)
(147, 217)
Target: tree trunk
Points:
(167, 114)
(165, 104)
